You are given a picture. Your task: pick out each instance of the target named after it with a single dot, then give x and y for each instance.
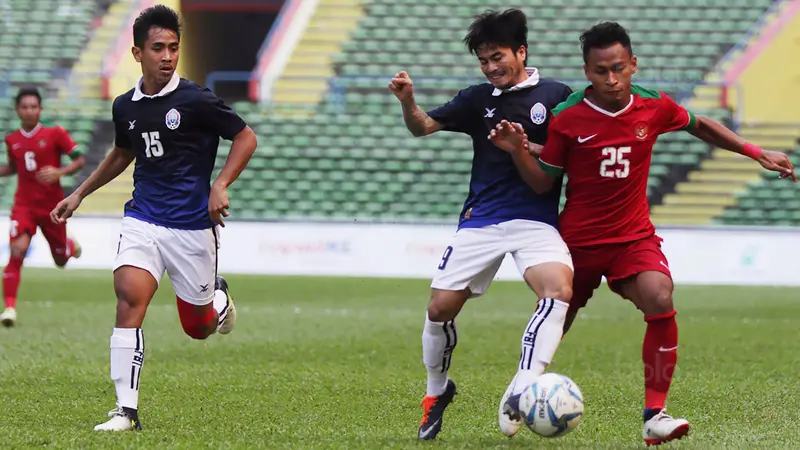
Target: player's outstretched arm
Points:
(418, 122)
(511, 137)
(718, 135)
(114, 164)
(242, 149)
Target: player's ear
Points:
(522, 53)
(137, 54)
(634, 64)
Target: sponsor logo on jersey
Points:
(173, 119)
(641, 130)
(42, 143)
(538, 114)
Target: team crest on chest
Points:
(641, 130)
(173, 119)
(42, 143)
(538, 114)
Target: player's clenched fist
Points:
(402, 87)
(65, 208)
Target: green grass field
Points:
(324, 363)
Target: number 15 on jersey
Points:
(615, 156)
(152, 144)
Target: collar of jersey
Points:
(533, 79)
(168, 89)
(603, 111)
(30, 134)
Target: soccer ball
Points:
(552, 406)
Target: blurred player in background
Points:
(602, 139)
(171, 128)
(34, 154)
(501, 215)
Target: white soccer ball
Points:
(552, 406)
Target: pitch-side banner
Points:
(696, 256)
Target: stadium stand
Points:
(352, 158)
(767, 200)
(355, 159)
(58, 30)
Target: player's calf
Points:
(12, 275)
(62, 255)
(199, 322)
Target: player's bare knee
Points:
(550, 280)
(440, 312)
(561, 292)
(18, 249)
(658, 301)
(445, 305)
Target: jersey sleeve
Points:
(455, 115)
(121, 139)
(554, 153)
(219, 117)
(66, 144)
(673, 117)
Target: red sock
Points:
(11, 276)
(659, 354)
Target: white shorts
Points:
(188, 256)
(475, 254)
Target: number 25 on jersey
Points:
(152, 144)
(613, 158)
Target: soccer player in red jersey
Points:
(602, 139)
(34, 154)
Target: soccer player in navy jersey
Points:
(501, 215)
(171, 128)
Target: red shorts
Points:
(26, 220)
(616, 262)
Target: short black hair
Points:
(503, 29)
(28, 91)
(604, 35)
(158, 16)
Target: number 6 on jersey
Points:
(615, 156)
(152, 144)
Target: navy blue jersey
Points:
(174, 135)
(497, 192)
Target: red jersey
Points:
(606, 158)
(30, 151)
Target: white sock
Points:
(220, 305)
(540, 341)
(438, 341)
(127, 358)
